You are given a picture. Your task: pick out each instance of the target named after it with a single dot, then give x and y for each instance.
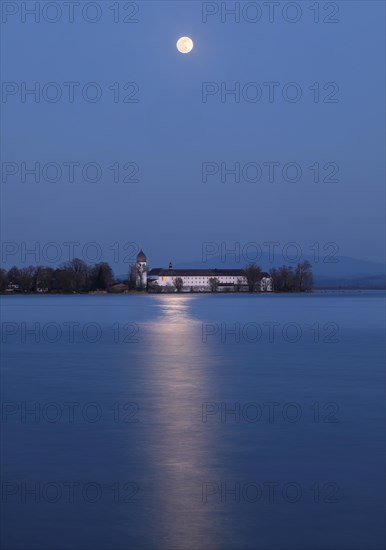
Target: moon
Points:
(184, 44)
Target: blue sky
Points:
(170, 131)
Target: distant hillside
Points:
(376, 283)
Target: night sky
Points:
(165, 128)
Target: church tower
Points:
(141, 271)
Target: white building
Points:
(196, 280)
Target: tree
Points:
(253, 276)
(178, 283)
(3, 279)
(238, 284)
(137, 272)
(304, 277)
(27, 279)
(75, 275)
(62, 280)
(101, 277)
(274, 276)
(14, 276)
(284, 279)
(213, 283)
(131, 277)
(45, 278)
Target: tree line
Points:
(285, 278)
(293, 279)
(76, 276)
(73, 276)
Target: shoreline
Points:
(139, 293)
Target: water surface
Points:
(193, 421)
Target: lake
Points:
(193, 421)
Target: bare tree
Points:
(44, 278)
(77, 271)
(13, 275)
(286, 279)
(27, 279)
(213, 283)
(178, 283)
(238, 284)
(3, 279)
(253, 275)
(137, 274)
(101, 276)
(304, 277)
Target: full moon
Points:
(185, 44)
